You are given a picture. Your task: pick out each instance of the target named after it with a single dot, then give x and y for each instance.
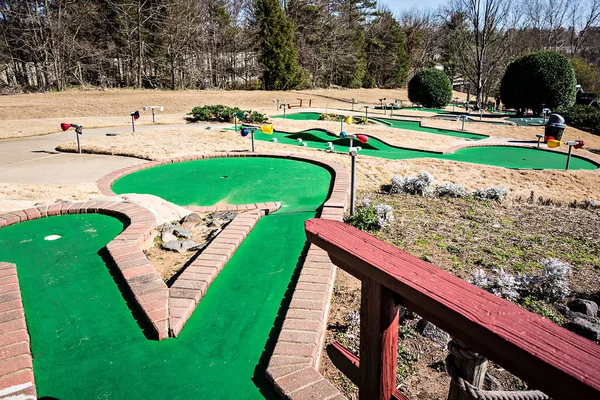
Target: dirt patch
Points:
(459, 235)
(16, 196)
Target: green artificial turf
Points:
(87, 344)
(500, 156)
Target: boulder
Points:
(182, 232)
(193, 217)
(166, 227)
(430, 331)
(179, 246)
(586, 307)
(585, 328)
(167, 236)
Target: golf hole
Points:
(52, 237)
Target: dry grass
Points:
(15, 196)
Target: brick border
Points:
(16, 363)
(293, 367)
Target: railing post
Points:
(466, 368)
(378, 341)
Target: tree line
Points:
(283, 44)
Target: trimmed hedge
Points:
(538, 80)
(220, 113)
(431, 88)
(586, 118)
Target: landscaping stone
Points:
(166, 227)
(167, 236)
(585, 328)
(586, 307)
(179, 246)
(193, 217)
(198, 247)
(430, 331)
(227, 215)
(182, 232)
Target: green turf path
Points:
(500, 156)
(86, 343)
(393, 123)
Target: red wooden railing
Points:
(558, 362)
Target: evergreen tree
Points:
(278, 52)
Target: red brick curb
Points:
(189, 288)
(16, 365)
(293, 367)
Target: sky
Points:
(398, 5)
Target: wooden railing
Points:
(559, 363)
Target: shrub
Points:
(431, 88)
(586, 118)
(419, 185)
(371, 217)
(497, 193)
(221, 113)
(541, 78)
(449, 189)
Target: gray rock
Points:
(187, 244)
(167, 236)
(585, 328)
(174, 245)
(227, 215)
(586, 307)
(182, 232)
(430, 331)
(166, 227)
(198, 247)
(194, 217)
(571, 315)
(213, 233)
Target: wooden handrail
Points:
(556, 361)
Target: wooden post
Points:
(470, 366)
(378, 341)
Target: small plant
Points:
(587, 204)
(221, 113)
(371, 217)
(449, 189)
(497, 193)
(417, 186)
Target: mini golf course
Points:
(393, 123)
(87, 342)
(499, 156)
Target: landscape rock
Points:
(227, 215)
(198, 247)
(585, 328)
(166, 227)
(182, 232)
(586, 307)
(194, 217)
(430, 331)
(167, 236)
(187, 245)
(179, 246)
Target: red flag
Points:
(135, 114)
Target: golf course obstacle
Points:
(78, 131)
(135, 115)
(578, 144)
(249, 130)
(160, 108)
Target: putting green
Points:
(85, 342)
(499, 156)
(394, 123)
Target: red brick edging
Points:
(16, 364)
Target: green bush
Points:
(221, 113)
(586, 118)
(538, 80)
(431, 88)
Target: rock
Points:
(182, 232)
(179, 246)
(167, 236)
(187, 244)
(174, 245)
(586, 307)
(166, 227)
(490, 382)
(194, 217)
(227, 215)
(571, 315)
(198, 247)
(208, 128)
(430, 331)
(213, 233)
(584, 328)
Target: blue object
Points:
(343, 135)
(245, 132)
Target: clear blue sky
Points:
(398, 5)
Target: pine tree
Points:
(279, 56)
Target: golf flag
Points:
(268, 129)
(349, 120)
(135, 114)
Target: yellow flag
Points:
(349, 120)
(268, 129)
(554, 143)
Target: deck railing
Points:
(559, 363)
